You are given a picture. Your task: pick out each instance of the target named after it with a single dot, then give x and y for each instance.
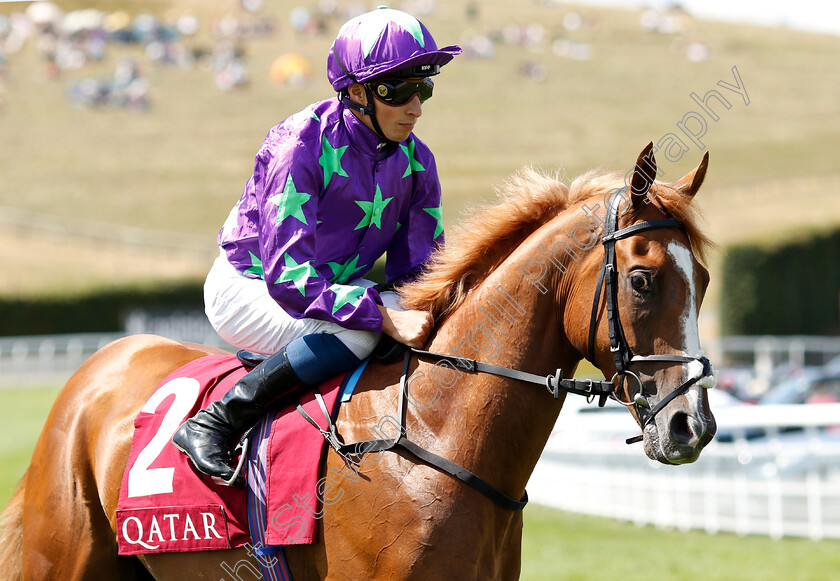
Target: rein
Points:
(554, 383)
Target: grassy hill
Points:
(178, 167)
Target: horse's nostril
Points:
(685, 429)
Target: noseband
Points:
(622, 356)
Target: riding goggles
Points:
(397, 92)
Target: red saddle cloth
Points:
(166, 505)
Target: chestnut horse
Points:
(515, 286)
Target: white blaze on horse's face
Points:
(689, 328)
(684, 262)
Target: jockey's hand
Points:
(411, 328)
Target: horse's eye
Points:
(639, 282)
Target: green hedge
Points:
(792, 288)
(104, 311)
(98, 312)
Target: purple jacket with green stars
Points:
(325, 202)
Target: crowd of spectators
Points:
(72, 40)
(568, 40)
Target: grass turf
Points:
(22, 416)
(559, 545)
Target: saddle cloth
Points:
(165, 505)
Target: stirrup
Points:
(237, 480)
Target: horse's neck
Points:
(508, 321)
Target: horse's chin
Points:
(669, 452)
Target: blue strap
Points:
(269, 550)
(348, 388)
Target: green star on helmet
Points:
(377, 21)
(346, 294)
(289, 202)
(299, 274)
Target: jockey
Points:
(334, 187)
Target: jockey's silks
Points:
(327, 198)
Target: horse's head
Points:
(643, 324)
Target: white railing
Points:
(793, 348)
(26, 360)
(35, 360)
(765, 352)
(784, 480)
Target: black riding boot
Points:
(208, 437)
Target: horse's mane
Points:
(528, 199)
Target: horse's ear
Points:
(691, 182)
(644, 172)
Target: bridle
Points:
(555, 383)
(622, 356)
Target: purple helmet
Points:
(382, 42)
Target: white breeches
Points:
(245, 315)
